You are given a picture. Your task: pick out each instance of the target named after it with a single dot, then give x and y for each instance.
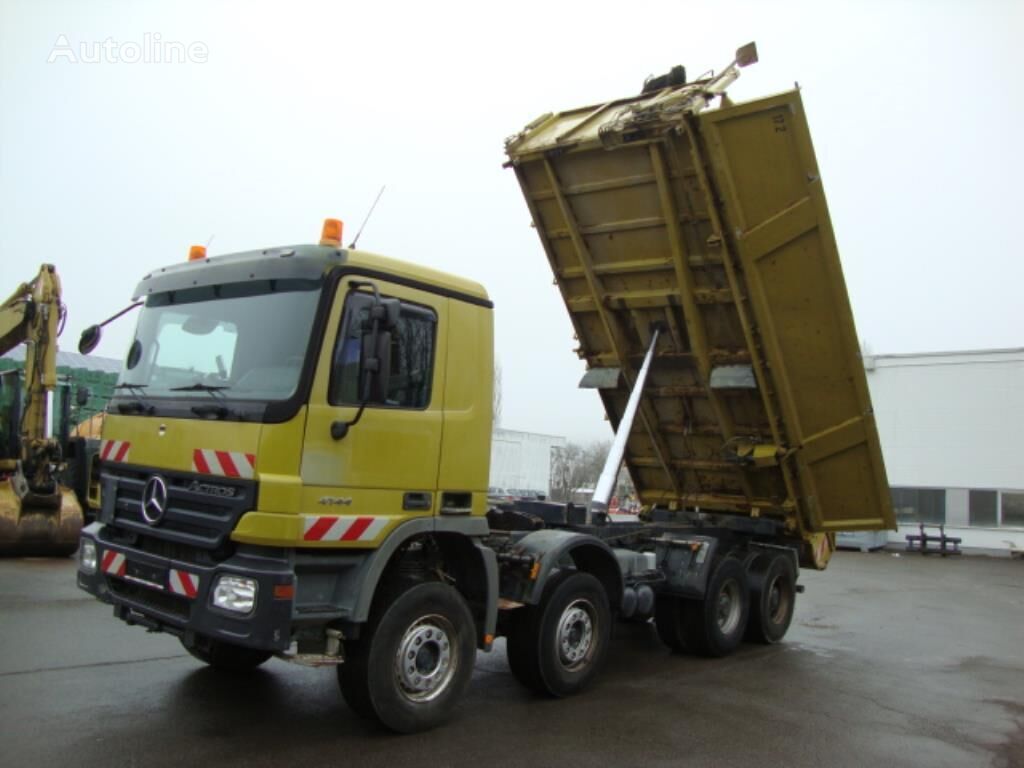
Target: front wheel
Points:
(558, 646)
(225, 656)
(414, 660)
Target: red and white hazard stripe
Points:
(224, 463)
(342, 528)
(183, 583)
(114, 450)
(113, 563)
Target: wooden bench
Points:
(947, 545)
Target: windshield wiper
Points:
(133, 406)
(200, 387)
(218, 411)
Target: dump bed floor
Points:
(712, 228)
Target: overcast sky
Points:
(287, 113)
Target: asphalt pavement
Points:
(891, 661)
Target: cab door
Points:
(371, 454)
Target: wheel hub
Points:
(778, 601)
(424, 665)
(575, 636)
(727, 608)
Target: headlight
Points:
(87, 556)
(235, 593)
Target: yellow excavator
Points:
(38, 515)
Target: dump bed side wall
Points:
(713, 229)
(777, 220)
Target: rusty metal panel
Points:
(711, 227)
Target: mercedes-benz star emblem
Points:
(154, 500)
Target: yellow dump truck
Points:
(296, 459)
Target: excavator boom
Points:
(38, 516)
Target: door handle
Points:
(414, 501)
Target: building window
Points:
(919, 505)
(983, 508)
(1013, 509)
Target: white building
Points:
(521, 461)
(951, 426)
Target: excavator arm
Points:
(37, 515)
(31, 315)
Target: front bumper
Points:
(167, 595)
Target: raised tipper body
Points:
(657, 213)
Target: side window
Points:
(411, 356)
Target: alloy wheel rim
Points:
(575, 635)
(727, 607)
(425, 662)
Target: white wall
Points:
(522, 459)
(955, 421)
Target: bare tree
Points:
(575, 466)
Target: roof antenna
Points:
(368, 215)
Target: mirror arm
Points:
(91, 335)
(124, 311)
(339, 429)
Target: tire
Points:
(353, 679)
(669, 620)
(226, 656)
(521, 647)
(414, 660)
(559, 646)
(715, 625)
(772, 599)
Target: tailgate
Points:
(711, 228)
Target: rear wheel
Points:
(715, 625)
(670, 621)
(558, 646)
(772, 599)
(225, 656)
(414, 660)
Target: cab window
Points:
(411, 356)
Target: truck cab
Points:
(286, 421)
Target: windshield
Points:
(245, 341)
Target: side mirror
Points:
(375, 354)
(82, 396)
(376, 366)
(392, 311)
(385, 313)
(89, 339)
(91, 335)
